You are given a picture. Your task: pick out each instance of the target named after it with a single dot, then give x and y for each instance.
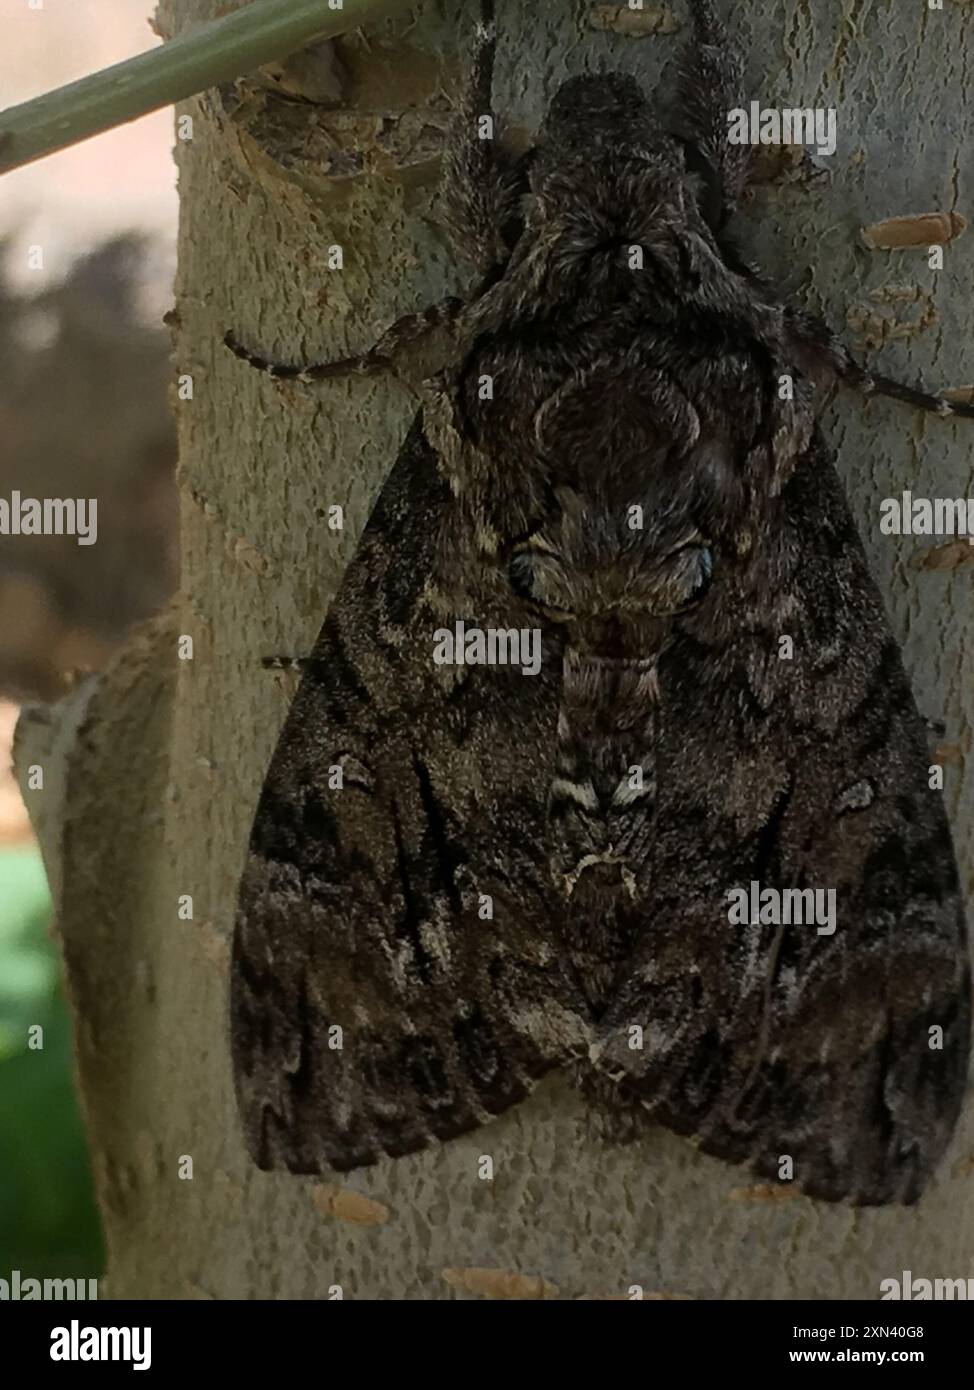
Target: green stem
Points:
(200, 58)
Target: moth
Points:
(462, 876)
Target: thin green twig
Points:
(202, 57)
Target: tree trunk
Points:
(160, 769)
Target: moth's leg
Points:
(870, 384)
(479, 188)
(815, 340)
(711, 84)
(411, 331)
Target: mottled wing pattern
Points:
(845, 1052)
(394, 976)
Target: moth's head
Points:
(605, 171)
(610, 108)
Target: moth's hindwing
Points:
(394, 976)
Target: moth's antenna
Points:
(480, 182)
(710, 84)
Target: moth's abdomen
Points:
(602, 811)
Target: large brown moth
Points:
(466, 872)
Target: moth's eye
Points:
(689, 572)
(535, 575)
(704, 572)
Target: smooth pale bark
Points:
(159, 792)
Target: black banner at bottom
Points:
(168, 1339)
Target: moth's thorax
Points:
(631, 431)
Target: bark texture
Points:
(160, 765)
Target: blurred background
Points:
(87, 249)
